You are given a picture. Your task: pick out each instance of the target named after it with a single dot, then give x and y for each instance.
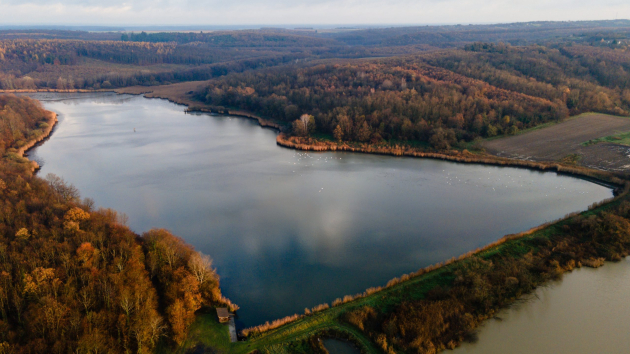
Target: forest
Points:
(444, 98)
(65, 59)
(74, 278)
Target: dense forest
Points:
(442, 98)
(74, 278)
(71, 59)
(76, 64)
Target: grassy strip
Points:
(621, 139)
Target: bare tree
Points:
(305, 118)
(201, 267)
(64, 190)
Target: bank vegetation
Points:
(73, 277)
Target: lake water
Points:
(286, 229)
(586, 312)
(336, 346)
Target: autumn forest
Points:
(75, 278)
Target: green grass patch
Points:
(621, 138)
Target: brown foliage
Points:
(74, 279)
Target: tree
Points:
(201, 267)
(298, 128)
(65, 191)
(338, 133)
(364, 133)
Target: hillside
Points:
(74, 278)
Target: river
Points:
(287, 229)
(586, 312)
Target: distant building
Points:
(223, 314)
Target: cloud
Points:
(265, 12)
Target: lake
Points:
(288, 229)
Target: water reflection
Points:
(288, 229)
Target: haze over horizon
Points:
(302, 12)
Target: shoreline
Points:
(265, 123)
(52, 123)
(191, 104)
(605, 178)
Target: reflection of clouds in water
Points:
(150, 203)
(327, 240)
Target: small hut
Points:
(223, 314)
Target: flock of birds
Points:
(495, 181)
(305, 156)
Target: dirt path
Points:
(561, 140)
(232, 328)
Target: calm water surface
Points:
(587, 312)
(289, 230)
(336, 346)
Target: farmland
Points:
(569, 140)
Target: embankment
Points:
(262, 121)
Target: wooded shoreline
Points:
(432, 271)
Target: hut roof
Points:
(222, 312)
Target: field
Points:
(568, 141)
(178, 93)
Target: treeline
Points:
(75, 279)
(244, 38)
(58, 34)
(449, 36)
(441, 98)
(69, 52)
(473, 291)
(25, 70)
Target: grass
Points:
(621, 138)
(208, 332)
(571, 159)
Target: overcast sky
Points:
(270, 12)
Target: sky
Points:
(304, 12)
